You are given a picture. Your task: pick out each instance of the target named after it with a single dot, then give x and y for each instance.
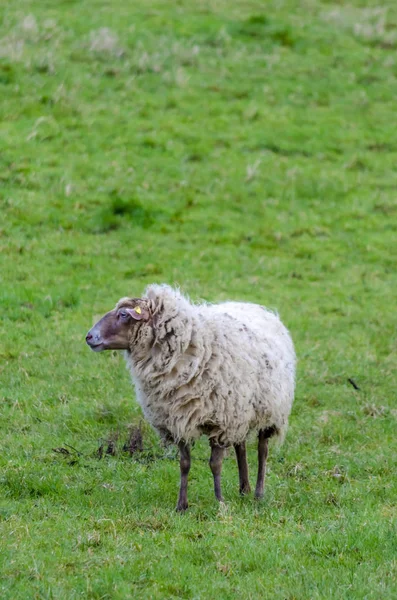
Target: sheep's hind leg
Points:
(217, 453)
(184, 463)
(241, 455)
(263, 439)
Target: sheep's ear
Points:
(138, 313)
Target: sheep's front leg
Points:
(263, 439)
(184, 464)
(241, 455)
(216, 468)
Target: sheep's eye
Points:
(123, 314)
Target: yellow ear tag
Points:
(138, 310)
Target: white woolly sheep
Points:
(220, 370)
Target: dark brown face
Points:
(111, 332)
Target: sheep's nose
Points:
(88, 337)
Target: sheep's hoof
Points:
(182, 506)
(259, 496)
(245, 489)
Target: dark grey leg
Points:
(184, 463)
(241, 454)
(216, 468)
(263, 439)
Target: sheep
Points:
(222, 370)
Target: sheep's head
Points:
(117, 329)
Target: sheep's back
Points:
(255, 329)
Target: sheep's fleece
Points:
(220, 370)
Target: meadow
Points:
(242, 150)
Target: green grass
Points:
(242, 150)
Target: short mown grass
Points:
(241, 150)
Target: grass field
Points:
(243, 150)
